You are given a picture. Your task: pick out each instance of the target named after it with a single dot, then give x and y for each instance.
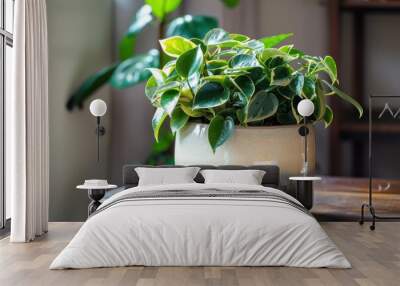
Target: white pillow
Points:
(248, 177)
(166, 176)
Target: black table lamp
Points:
(98, 108)
(305, 109)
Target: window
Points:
(6, 61)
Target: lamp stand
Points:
(100, 131)
(303, 131)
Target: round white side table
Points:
(304, 190)
(95, 194)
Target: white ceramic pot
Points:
(264, 145)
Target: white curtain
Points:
(27, 137)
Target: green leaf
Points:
(235, 72)
(253, 45)
(142, 18)
(345, 97)
(210, 94)
(271, 53)
(262, 106)
(200, 43)
(189, 26)
(178, 120)
(169, 99)
(157, 121)
(309, 87)
(319, 102)
(176, 46)
(275, 62)
(216, 36)
(154, 91)
(127, 44)
(330, 64)
(245, 86)
(159, 75)
(286, 92)
(239, 37)
(220, 130)
(270, 42)
(161, 8)
(225, 54)
(328, 116)
(151, 88)
(169, 67)
(126, 47)
(239, 100)
(230, 3)
(243, 61)
(193, 81)
(190, 62)
(241, 115)
(89, 86)
(216, 66)
(297, 84)
(284, 114)
(134, 70)
(172, 85)
(285, 118)
(293, 105)
(165, 141)
(190, 112)
(228, 44)
(281, 76)
(290, 50)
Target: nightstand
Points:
(95, 194)
(304, 190)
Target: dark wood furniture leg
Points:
(95, 196)
(304, 193)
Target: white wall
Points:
(79, 44)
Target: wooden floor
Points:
(340, 198)
(375, 257)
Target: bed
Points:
(197, 224)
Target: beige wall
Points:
(79, 44)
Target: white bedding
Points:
(200, 231)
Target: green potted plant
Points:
(130, 67)
(224, 95)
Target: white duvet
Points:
(200, 231)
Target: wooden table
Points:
(340, 198)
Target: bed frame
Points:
(271, 178)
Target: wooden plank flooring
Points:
(340, 198)
(375, 257)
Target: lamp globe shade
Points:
(305, 107)
(98, 107)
